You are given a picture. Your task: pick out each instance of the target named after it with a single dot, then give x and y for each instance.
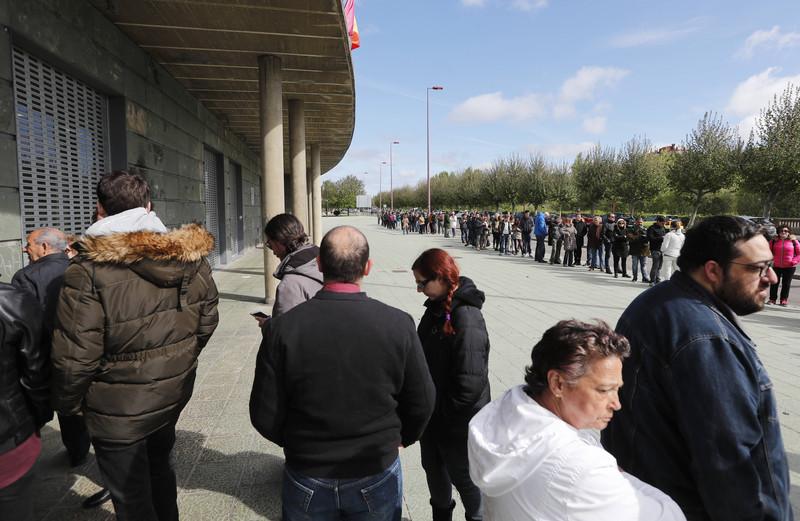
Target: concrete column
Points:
(297, 149)
(310, 197)
(316, 193)
(271, 114)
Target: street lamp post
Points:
(380, 184)
(428, 132)
(391, 175)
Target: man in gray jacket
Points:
(298, 271)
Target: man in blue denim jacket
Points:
(698, 417)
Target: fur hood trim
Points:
(189, 243)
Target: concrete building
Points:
(231, 111)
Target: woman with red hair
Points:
(453, 335)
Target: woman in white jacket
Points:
(671, 249)
(535, 452)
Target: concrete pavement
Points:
(226, 471)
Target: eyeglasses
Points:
(422, 283)
(760, 268)
(784, 231)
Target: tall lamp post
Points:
(391, 174)
(380, 183)
(428, 132)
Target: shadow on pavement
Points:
(241, 298)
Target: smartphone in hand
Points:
(260, 314)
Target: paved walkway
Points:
(228, 472)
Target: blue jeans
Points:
(638, 261)
(595, 257)
(374, 498)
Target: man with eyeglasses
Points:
(698, 417)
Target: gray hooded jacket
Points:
(300, 279)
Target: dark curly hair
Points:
(286, 229)
(569, 347)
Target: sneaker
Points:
(771, 302)
(784, 302)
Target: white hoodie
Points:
(532, 466)
(673, 242)
(133, 220)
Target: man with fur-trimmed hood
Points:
(137, 306)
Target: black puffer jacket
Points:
(24, 371)
(459, 364)
(135, 311)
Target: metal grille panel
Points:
(61, 145)
(212, 219)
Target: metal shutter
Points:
(212, 223)
(61, 145)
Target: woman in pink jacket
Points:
(786, 250)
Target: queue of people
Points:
(691, 435)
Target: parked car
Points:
(769, 227)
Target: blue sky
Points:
(555, 76)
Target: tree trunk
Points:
(695, 207)
(769, 202)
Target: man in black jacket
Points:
(341, 382)
(526, 226)
(580, 233)
(43, 278)
(655, 234)
(608, 238)
(24, 395)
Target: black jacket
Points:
(458, 363)
(341, 383)
(44, 279)
(620, 246)
(24, 371)
(526, 224)
(580, 229)
(608, 231)
(655, 234)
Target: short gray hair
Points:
(52, 236)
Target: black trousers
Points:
(620, 260)
(16, 500)
(540, 249)
(526, 243)
(75, 437)
(578, 248)
(655, 268)
(446, 464)
(785, 280)
(141, 476)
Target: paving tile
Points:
(227, 471)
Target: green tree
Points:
(640, 174)
(512, 180)
(330, 196)
(771, 163)
(594, 173)
(468, 188)
(492, 185)
(709, 163)
(348, 188)
(560, 186)
(533, 186)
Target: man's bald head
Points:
(343, 254)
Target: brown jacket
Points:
(135, 311)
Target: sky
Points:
(554, 77)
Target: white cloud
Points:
(656, 35)
(473, 3)
(583, 85)
(560, 150)
(494, 106)
(585, 82)
(772, 39)
(595, 125)
(529, 5)
(755, 93)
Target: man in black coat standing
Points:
(341, 382)
(43, 279)
(580, 233)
